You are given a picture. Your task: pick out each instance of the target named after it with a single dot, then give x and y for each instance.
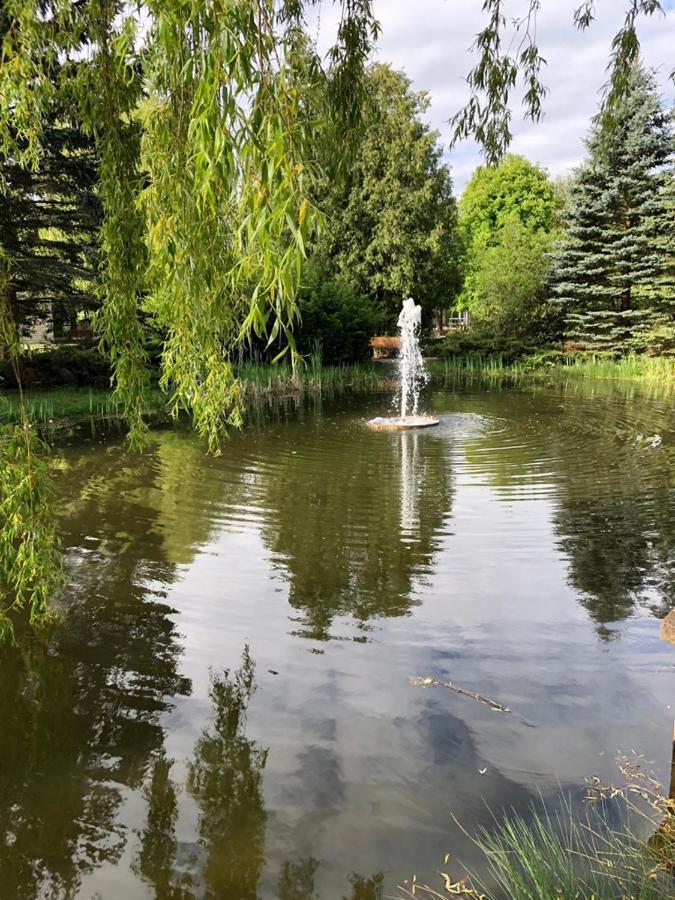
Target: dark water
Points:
(523, 549)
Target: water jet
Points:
(412, 375)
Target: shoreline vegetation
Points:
(620, 847)
(56, 406)
(548, 364)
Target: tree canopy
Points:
(393, 223)
(507, 214)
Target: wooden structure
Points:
(384, 346)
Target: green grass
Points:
(619, 846)
(558, 857)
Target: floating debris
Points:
(651, 441)
(497, 707)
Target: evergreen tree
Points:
(393, 222)
(49, 214)
(49, 221)
(613, 269)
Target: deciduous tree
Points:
(393, 224)
(507, 216)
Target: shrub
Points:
(335, 318)
(62, 366)
(485, 342)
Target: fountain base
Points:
(401, 423)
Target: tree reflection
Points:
(81, 709)
(614, 507)
(297, 883)
(616, 517)
(352, 527)
(75, 732)
(366, 888)
(225, 778)
(615, 557)
(156, 860)
(297, 880)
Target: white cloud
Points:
(430, 40)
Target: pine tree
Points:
(613, 268)
(50, 214)
(49, 221)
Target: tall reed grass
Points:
(58, 406)
(622, 847)
(632, 367)
(261, 379)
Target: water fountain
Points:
(412, 374)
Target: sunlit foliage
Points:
(205, 156)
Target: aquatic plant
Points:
(602, 855)
(557, 363)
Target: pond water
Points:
(524, 549)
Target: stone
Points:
(396, 423)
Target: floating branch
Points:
(498, 707)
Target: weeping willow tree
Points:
(509, 57)
(199, 117)
(198, 111)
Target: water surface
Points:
(523, 549)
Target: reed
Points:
(262, 379)
(621, 847)
(66, 406)
(58, 405)
(556, 364)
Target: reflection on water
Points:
(225, 779)
(349, 540)
(142, 756)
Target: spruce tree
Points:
(49, 222)
(613, 268)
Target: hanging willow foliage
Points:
(29, 549)
(199, 115)
(507, 48)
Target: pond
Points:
(227, 708)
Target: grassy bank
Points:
(55, 405)
(628, 368)
(551, 858)
(67, 406)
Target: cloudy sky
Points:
(430, 40)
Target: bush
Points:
(63, 366)
(335, 318)
(484, 342)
